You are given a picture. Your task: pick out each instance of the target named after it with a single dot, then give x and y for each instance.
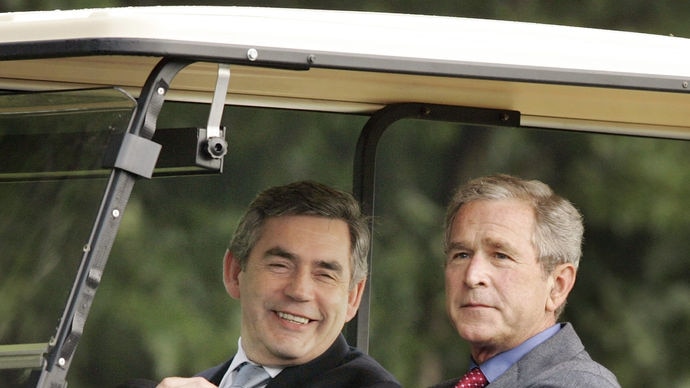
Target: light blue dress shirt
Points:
(494, 367)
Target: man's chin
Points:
(474, 333)
(286, 352)
(294, 348)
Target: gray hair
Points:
(558, 232)
(310, 199)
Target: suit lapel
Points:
(555, 350)
(294, 376)
(300, 375)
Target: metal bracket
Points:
(218, 102)
(216, 146)
(133, 154)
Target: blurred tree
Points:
(162, 309)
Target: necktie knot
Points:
(473, 379)
(249, 376)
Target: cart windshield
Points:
(50, 143)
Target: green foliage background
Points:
(162, 310)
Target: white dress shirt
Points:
(241, 357)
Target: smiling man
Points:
(512, 252)
(298, 265)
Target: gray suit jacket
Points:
(560, 361)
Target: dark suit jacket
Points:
(340, 366)
(560, 361)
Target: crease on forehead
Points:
(495, 222)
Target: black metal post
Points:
(125, 172)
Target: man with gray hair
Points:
(512, 251)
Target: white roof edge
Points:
(434, 38)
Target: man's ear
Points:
(562, 282)
(354, 298)
(231, 274)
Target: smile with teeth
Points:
(293, 318)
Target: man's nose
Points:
(476, 272)
(300, 286)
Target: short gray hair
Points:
(559, 229)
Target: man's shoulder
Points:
(561, 361)
(353, 369)
(580, 372)
(340, 366)
(369, 369)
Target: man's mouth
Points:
(293, 318)
(474, 305)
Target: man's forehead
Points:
(507, 212)
(304, 235)
(493, 223)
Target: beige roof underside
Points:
(541, 105)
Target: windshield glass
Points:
(162, 309)
(632, 283)
(49, 143)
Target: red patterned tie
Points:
(473, 379)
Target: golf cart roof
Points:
(341, 61)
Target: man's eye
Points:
(501, 256)
(327, 276)
(459, 255)
(277, 266)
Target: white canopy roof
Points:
(341, 61)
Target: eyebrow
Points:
(501, 245)
(493, 243)
(457, 246)
(280, 252)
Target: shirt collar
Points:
(241, 357)
(494, 367)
